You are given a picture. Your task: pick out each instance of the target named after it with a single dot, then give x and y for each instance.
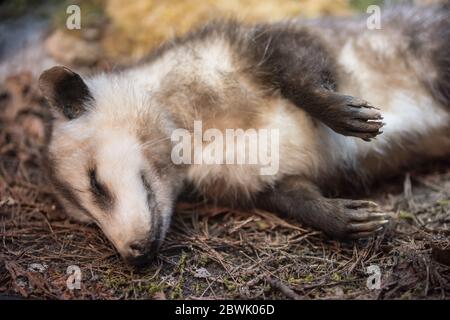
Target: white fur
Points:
(407, 110)
(127, 103)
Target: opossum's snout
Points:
(140, 253)
(138, 218)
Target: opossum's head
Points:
(109, 163)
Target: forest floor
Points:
(210, 252)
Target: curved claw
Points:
(368, 226)
(365, 234)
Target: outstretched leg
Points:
(344, 114)
(300, 66)
(338, 218)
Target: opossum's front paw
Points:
(357, 219)
(357, 118)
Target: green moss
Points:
(336, 277)
(308, 278)
(196, 288)
(202, 260)
(406, 295)
(115, 282)
(177, 292)
(405, 215)
(152, 288)
(229, 285)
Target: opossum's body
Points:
(404, 70)
(297, 77)
(211, 83)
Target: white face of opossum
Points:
(102, 170)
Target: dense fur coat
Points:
(110, 150)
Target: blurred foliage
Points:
(13, 8)
(362, 5)
(92, 13)
(142, 24)
(16, 8)
(129, 29)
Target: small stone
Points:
(37, 267)
(202, 273)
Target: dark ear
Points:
(65, 91)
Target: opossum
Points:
(349, 104)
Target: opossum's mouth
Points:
(139, 252)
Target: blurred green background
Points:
(128, 29)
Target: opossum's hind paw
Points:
(358, 118)
(365, 219)
(358, 219)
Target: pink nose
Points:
(137, 248)
(141, 253)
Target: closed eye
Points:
(101, 194)
(96, 188)
(148, 189)
(147, 186)
(152, 206)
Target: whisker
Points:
(153, 142)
